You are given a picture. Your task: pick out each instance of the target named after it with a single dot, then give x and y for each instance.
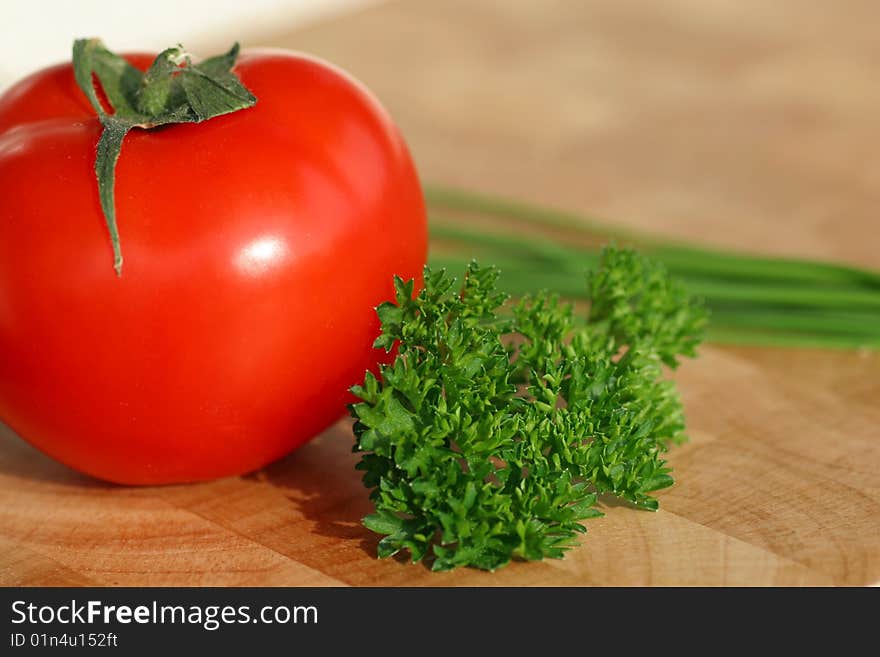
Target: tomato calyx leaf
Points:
(173, 90)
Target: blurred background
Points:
(44, 29)
(738, 123)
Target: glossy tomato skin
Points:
(256, 247)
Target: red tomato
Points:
(256, 244)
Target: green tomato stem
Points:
(173, 90)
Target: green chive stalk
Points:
(754, 300)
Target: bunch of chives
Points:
(754, 300)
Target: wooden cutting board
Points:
(744, 124)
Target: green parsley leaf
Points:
(496, 427)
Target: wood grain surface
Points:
(744, 124)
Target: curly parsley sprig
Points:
(493, 431)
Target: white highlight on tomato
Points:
(261, 255)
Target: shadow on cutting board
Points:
(321, 481)
(19, 460)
